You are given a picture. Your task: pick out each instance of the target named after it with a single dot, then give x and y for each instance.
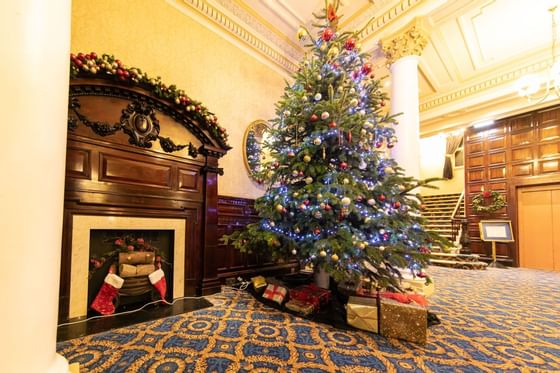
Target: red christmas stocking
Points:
(157, 278)
(103, 302)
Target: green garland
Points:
(488, 202)
(108, 67)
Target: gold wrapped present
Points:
(361, 313)
(300, 307)
(407, 321)
(259, 282)
(418, 285)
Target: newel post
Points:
(210, 171)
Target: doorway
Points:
(538, 211)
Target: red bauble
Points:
(382, 103)
(366, 69)
(390, 145)
(327, 34)
(317, 231)
(350, 44)
(343, 165)
(382, 197)
(378, 144)
(314, 118)
(332, 124)
(328, 208)
(93, 55)
(397, 205)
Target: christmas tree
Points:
(334, 198)
(253, 150)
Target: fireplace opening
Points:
(132, 255)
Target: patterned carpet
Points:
(492, 321)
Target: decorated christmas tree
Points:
(334, 197)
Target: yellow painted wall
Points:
(432, 153)
(161, 40)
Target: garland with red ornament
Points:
(488, 202)
(107, 66)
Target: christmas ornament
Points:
(345, 181)
(389, 170)
(354, 102)
(346, 201)
(332, 53)
(382, 197)
(319, 196)
(318, 215)
(334, 257)
(322, 253)
(306, 158)
(317, 141)
(291, 154)
(295, 173)
(296, 229)
(488, 202)
(350, 44)
(294, 252)
(314, 117)
(323, 47)
(325, 115)
(296, 194)
(287, 113)
(279, 208)
(381, 248)
(317, 231)
(366, 68)
(328, 207)
(332, 124)
(327, 35)
(308, 180)
(318, 96)
(301, 34)
(397, 204)
(371, 202)
(361, 245)
(343, 165)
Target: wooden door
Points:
(539, 227)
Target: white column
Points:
(35, 39)
(404, 99)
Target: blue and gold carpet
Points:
(492, 321)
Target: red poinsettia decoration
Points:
(486, 194)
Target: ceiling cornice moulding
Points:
(241, 34)
(481, 86)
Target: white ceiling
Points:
(477, 48)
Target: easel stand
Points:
(494, 263)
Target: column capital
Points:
(410, 40)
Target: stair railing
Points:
(456, 220)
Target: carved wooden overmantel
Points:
(133, 153)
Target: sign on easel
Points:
(495, 231)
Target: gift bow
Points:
(406, 298)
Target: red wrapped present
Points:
(311, 294)
(275, 293)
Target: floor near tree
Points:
(492, 321)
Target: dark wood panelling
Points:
(78, 163)
(518, 151)
(188, 180)
(129, 171)
(234, 214)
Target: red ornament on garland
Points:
(314, 118)
(317, 231)
(332, 124)
(343, 165)
(382, 197)
(328, 33)
(366, 69)
(397, 205)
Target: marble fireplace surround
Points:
(82, 224)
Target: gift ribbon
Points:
(406, 298)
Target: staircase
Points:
(438, 212)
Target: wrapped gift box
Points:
(300, 307)
(408, 321)
(275, 293)
(362, 313)
(311, 294)
(259, 282)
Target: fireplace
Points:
(86, 226)
(119, 178)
